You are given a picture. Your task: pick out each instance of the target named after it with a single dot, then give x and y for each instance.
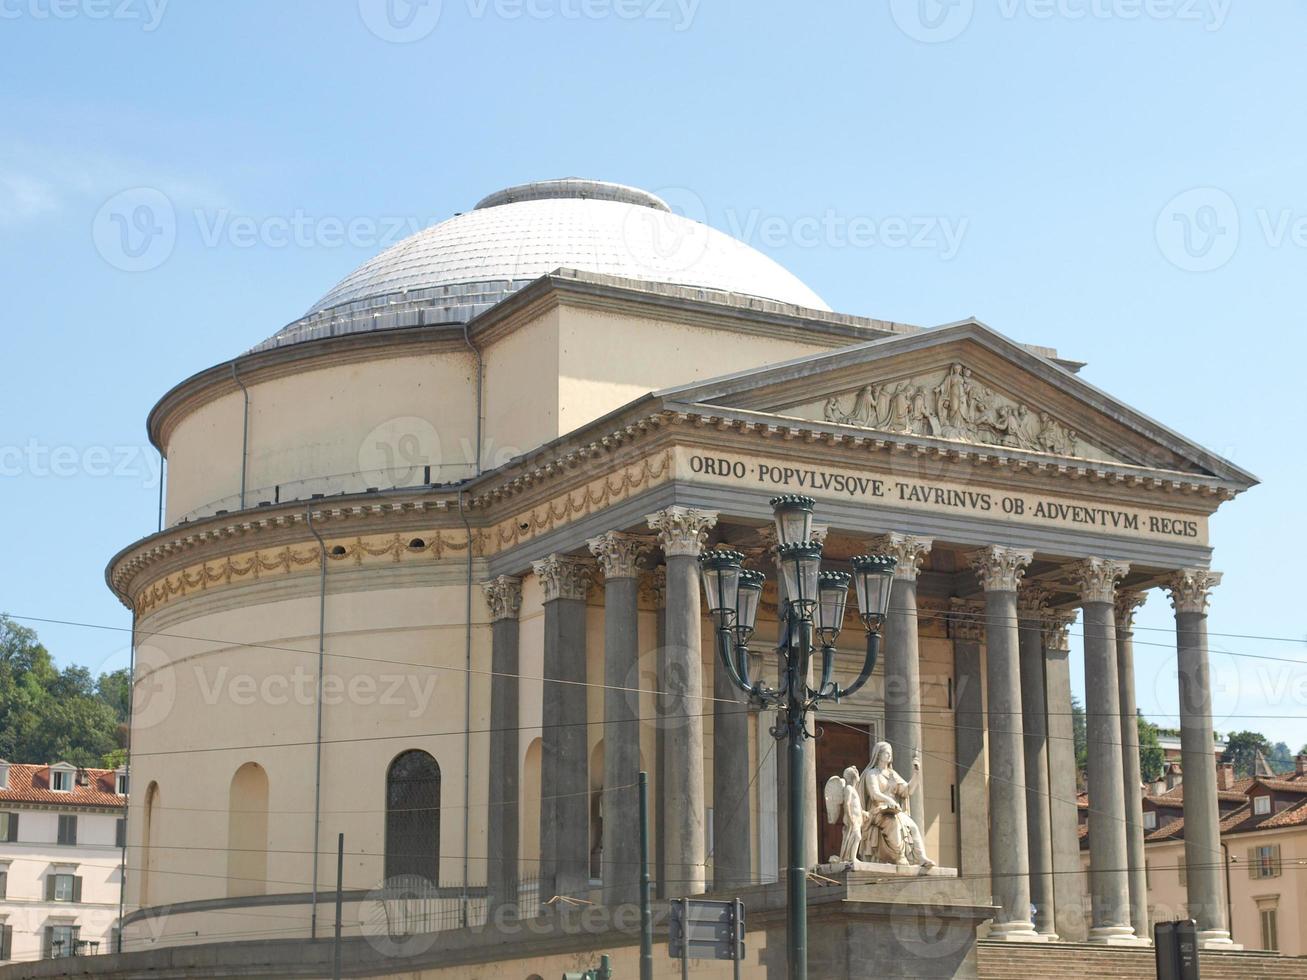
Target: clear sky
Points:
(1120, 179)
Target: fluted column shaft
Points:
(1202, 827)
(967, 629)
(1109, 880)
(504, 596)
(903, 658)
(618, 555)
(682, 532)
(999, 570)
(1034, 727)
(1064, 816)
(1126, 604)
(658, 590)
(564, 769)
(731, 854)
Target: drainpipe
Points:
(317, 760)
(127, 766)
(162, 463)
(476, 352)
(1229, 908)
(245, 426)
(467, 639)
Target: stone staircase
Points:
(1074, 961)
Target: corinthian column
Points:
(1064, 816)
(902, 656)
(999, 570)
(1126, 604)
(618, 556)
(1190, 590)
(564, 767)
(682, 532)
(967, 630)
(1109, 880)
(1032, 602)
(504, 597)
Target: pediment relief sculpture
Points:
(954, 405)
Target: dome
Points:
(454, 270)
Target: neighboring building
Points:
(1264, 836)
(1168, 739)
(473, 478)
(61, 836)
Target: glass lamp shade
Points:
(793, 515)
(872, 577)
(832, 597)
(720, 571)
(800, 566)
(747, 600)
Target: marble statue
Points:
(844, 802)
(894, 836)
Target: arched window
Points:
(247, 831)
(413, 816)
(149, 833)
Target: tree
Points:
(1280, 758)
(1241, 748)
(1151, 756)
(1080, 733)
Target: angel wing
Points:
(834, 792)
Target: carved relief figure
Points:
(895, 837)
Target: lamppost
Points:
(813, 607)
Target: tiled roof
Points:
(31, 784)
(1242, 819)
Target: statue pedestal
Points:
(865, 871)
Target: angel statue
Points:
(844, 800)
(895, 837)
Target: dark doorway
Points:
(841, 745)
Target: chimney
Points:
(1225, 775)
(1174, 775)
(1301, 763)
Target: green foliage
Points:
(1241, 748)
(48, 715)
(1280, 758)
(1080, 733)
(1151, 756)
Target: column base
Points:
(1116, 936)
(1217, 939)
(1014, 932)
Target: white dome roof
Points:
(456, 269)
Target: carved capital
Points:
(653, 588)
(966, 620)
(1057, 626)
(1191, 589)
(504, 596)
(1096, 578)
(1032, 600)
(1000, 569)
(1127, 601)
(564, 576)
(618, 553)
(682, 530)
(819, 532)
(908, 550)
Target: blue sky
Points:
(1120, 179)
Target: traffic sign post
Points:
(704, 930)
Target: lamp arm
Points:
(724, 644)
(868, 666)
(827, 670)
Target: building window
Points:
(1261, 805)
(1264, 861)
(6, 942)
(61, 780)
(1270, 929)
(120, 833)
(4, 883)
(63, 888)
(120, 784)
(8, 827)
(413, 817)
(61, 940)
(1150, 820)
(67, 828)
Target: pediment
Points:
(967, 384)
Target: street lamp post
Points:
(813, 610)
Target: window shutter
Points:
(49, 888)
(47, 943)
(72, 829)
(120, 833)
(1253, 863)
(6, 942)
(1275, 860)
(77, 888)
(4, 884)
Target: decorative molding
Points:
(1032, 600)
(653, 588)
(1057, 625)
(682, 530)
(619, 554)
(564, 576)
(953, 405)
(1191, 589)
(504, 596)
(966, 620)
(909, 550)
(1000, 569)
(1127, 601)
(1096, 578)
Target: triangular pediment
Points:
(962, 383)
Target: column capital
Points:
(1057, 625)
(966, 620)
(909, 550)
(1127, 601)
(1032, 600)
(1097, 577)
(682, 530)
(564, 576)
(1000, 569)
(653, 587)
(619, 554)
(504, 596)
(1191, 589)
